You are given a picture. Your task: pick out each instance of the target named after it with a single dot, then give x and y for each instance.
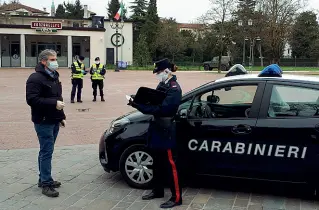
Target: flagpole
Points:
(117, 26)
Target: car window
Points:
(290, 101)
(215, 59)
(234, 95)
(226, 102)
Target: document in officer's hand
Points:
(129, 97)
(145, 95)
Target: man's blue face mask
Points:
(53, 65)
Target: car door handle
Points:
(241, 129)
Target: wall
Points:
(96, 39)
(125, 51)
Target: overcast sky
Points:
(179, 9)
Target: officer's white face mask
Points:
(97, 62)
(162, 77)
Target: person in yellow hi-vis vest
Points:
(97, 71)
(78, 71)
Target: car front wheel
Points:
(136, 166)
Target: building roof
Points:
(191, 25)
(17, 6)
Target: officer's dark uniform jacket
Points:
(162, 128)
(42, 94)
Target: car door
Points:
(287, 129)
(216, 142)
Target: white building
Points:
(26, 31)
(287, 50)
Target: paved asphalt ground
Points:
(75, 161)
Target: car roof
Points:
(247, 77)
(285, 77)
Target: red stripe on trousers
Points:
(171, 161)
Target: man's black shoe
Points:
(72, 101)
(102, 98)
(50, 191)
(55, 184)
(94, 99)
(170, 204)
(152, 195)
(79, 101)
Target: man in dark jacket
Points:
(44, 96)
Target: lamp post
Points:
(117, 26)
(240, 24)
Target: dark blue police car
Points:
(251, 126)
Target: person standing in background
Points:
(78, 72)
(44, 96)
(97, 71)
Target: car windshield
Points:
(215, 59)
(199, 87)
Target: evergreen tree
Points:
(60, 11)
(139, 10)
(78, 9)
(113, 7)
(138, 17)
(152, 12)
(142, 56)
(304, 35)
(150, 27)
(74, 10)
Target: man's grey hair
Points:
(45, 54)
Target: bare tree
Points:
(219, 16)
(278, 16)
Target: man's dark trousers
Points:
(164, 167)
(77, 84)
(97, 83)
(47, 134)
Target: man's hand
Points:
(60, 105)
(63, 123)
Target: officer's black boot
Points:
(94, 99)
(171, 203)
(153, 195)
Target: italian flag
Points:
(120, 12)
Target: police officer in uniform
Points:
(97, 71)
(78, 71)
(162, 133)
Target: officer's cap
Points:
(161, 65)
(97, 58)
(81, 58)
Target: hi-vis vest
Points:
(78, 68)
(97, 74)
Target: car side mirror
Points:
(183, 113)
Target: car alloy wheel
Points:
(136, 166)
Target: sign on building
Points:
(46, 27)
